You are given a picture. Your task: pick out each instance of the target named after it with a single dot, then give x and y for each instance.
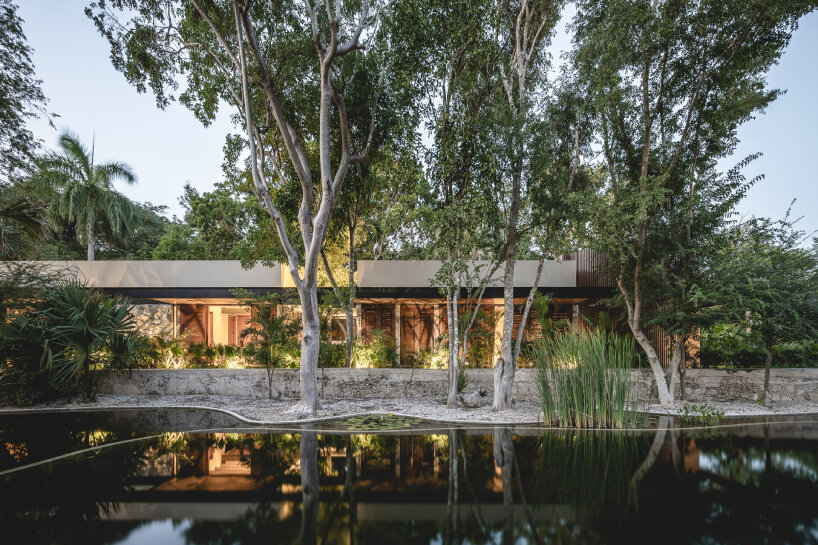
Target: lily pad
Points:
(379, 422)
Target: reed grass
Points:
(585, 379)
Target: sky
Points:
(168, 148)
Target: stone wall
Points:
(153, 319)
(701, 385)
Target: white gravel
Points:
(255, 410)
(743, 408)
(267, 411)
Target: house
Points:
(194, 299)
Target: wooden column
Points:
(396, 326)
(436, 326)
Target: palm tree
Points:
(86, 196)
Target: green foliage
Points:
(23, 99)
(64, 341)
(432, 358)
(699, 415)
(585, 379)
(214, 225)
(668, 86)
(767, 293)
(377, 351)
(22, 224)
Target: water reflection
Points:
(457, 486)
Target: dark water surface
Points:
(195, 477)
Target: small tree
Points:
(273, 331)
(768, 286)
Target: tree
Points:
(257, 57)
(461, 214)
(213, 227)
(22, 100)
(86, 197)
(271, 331)
(669, 83)
(768, 286)
(522, 34)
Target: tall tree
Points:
(463, 217)
(87, 198)
(669, 83)
(277, 63)
(22, 97)
(521, 34)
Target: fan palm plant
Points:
(21, 222)
(90, 327)
(87, 198)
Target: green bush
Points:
(63, 342)
(584, 378)
(378, 351)
(731, 346)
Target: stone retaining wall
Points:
(702, 385)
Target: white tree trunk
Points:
(504, 368)
(454, 347)
(665, 395)
(310, 342)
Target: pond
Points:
(196, 477)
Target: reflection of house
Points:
(193, 299)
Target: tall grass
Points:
(585, 379)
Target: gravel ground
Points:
(265, 411)
(744, 409)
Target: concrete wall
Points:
(701, 384)
(170, 274)
(419, 274)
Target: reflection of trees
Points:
(567, 486)
(309, 487)
(504, 458)
(262, 523)
(452, 504)
(588, 469)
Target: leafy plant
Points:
(65, 340)
(462, 380)
(699, 415)
(377, 351)
(378, 422)
(585, 379)
(272, 336)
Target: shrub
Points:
(64, 341)
(377, 351)
(584, 378)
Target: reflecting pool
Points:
(194, 477)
